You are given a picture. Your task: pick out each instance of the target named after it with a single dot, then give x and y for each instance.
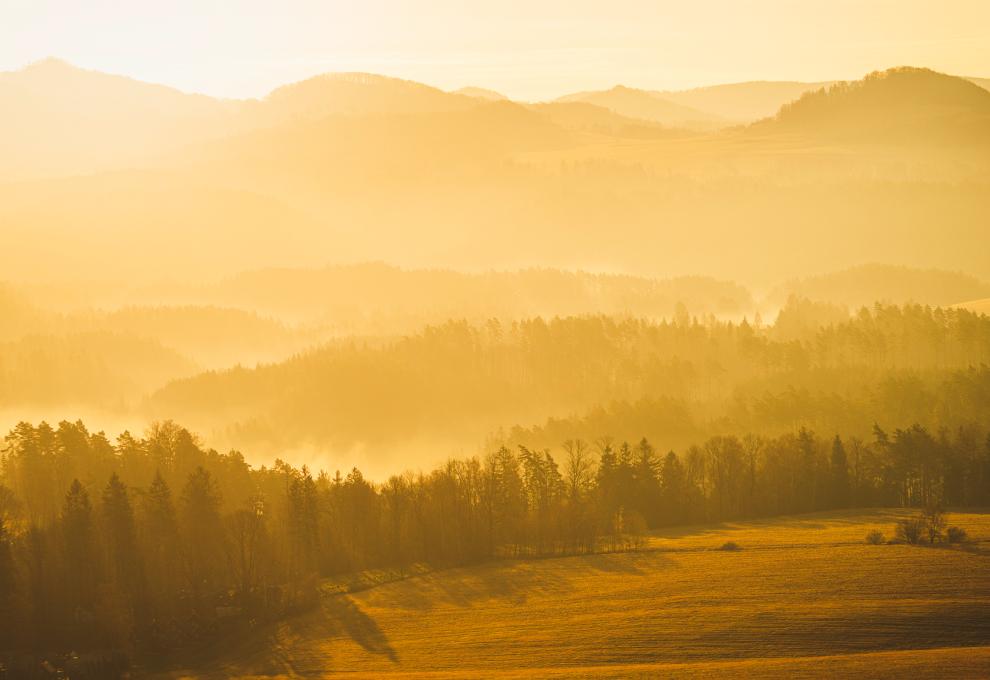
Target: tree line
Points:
(157, 544)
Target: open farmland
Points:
(804, 596)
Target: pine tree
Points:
(123, 559)
(160, 546)
(79, 561)
(8, 585)
(202, 532)
(672, 489)
(838, 475)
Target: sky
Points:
(527, 49)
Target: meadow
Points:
(803, 596)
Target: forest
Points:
(159, 543)
(155, 545)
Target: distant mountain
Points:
(304, 156)
(481, 93)
(901, 105)
(645, 105)
(97, 369)
(585, 117)
(350, 168)
(56, 118)
(358, 93)
(741, 102)
(982, 82)
(357, 298)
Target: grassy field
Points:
(803, 597)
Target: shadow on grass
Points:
(514, 581)
(343, 613)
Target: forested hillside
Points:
(457, 381)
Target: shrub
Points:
(875, 537)
(911, 530)
(730, 545)
(933, 519)
(956, 535)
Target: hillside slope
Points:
(804, 597)
(357, 93)
(867, 284)
(56, 118)
(910, 106)
(741, 102)
(978, 306)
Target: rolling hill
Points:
(644, 105)
(804, 597)
(56, 118)
(357, 93)
(92, 370)
(60, 119)
(906, 106)
(365, 298)
(586, 117)
(741, 102)
(867, 284)
(481, 93)
(345, 168)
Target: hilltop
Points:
(633, 103)
(481, 93)
(56, 118)
(901, 105)
(359, 93)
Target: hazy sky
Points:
(525, 48)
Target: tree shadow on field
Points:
(344, 614)
(516, 581)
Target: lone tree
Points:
(934, 522)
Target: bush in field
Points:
(730, 545)
(875, 537)
(928, 527)
(910, 530)
(956, 535)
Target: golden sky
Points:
(529, 49)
